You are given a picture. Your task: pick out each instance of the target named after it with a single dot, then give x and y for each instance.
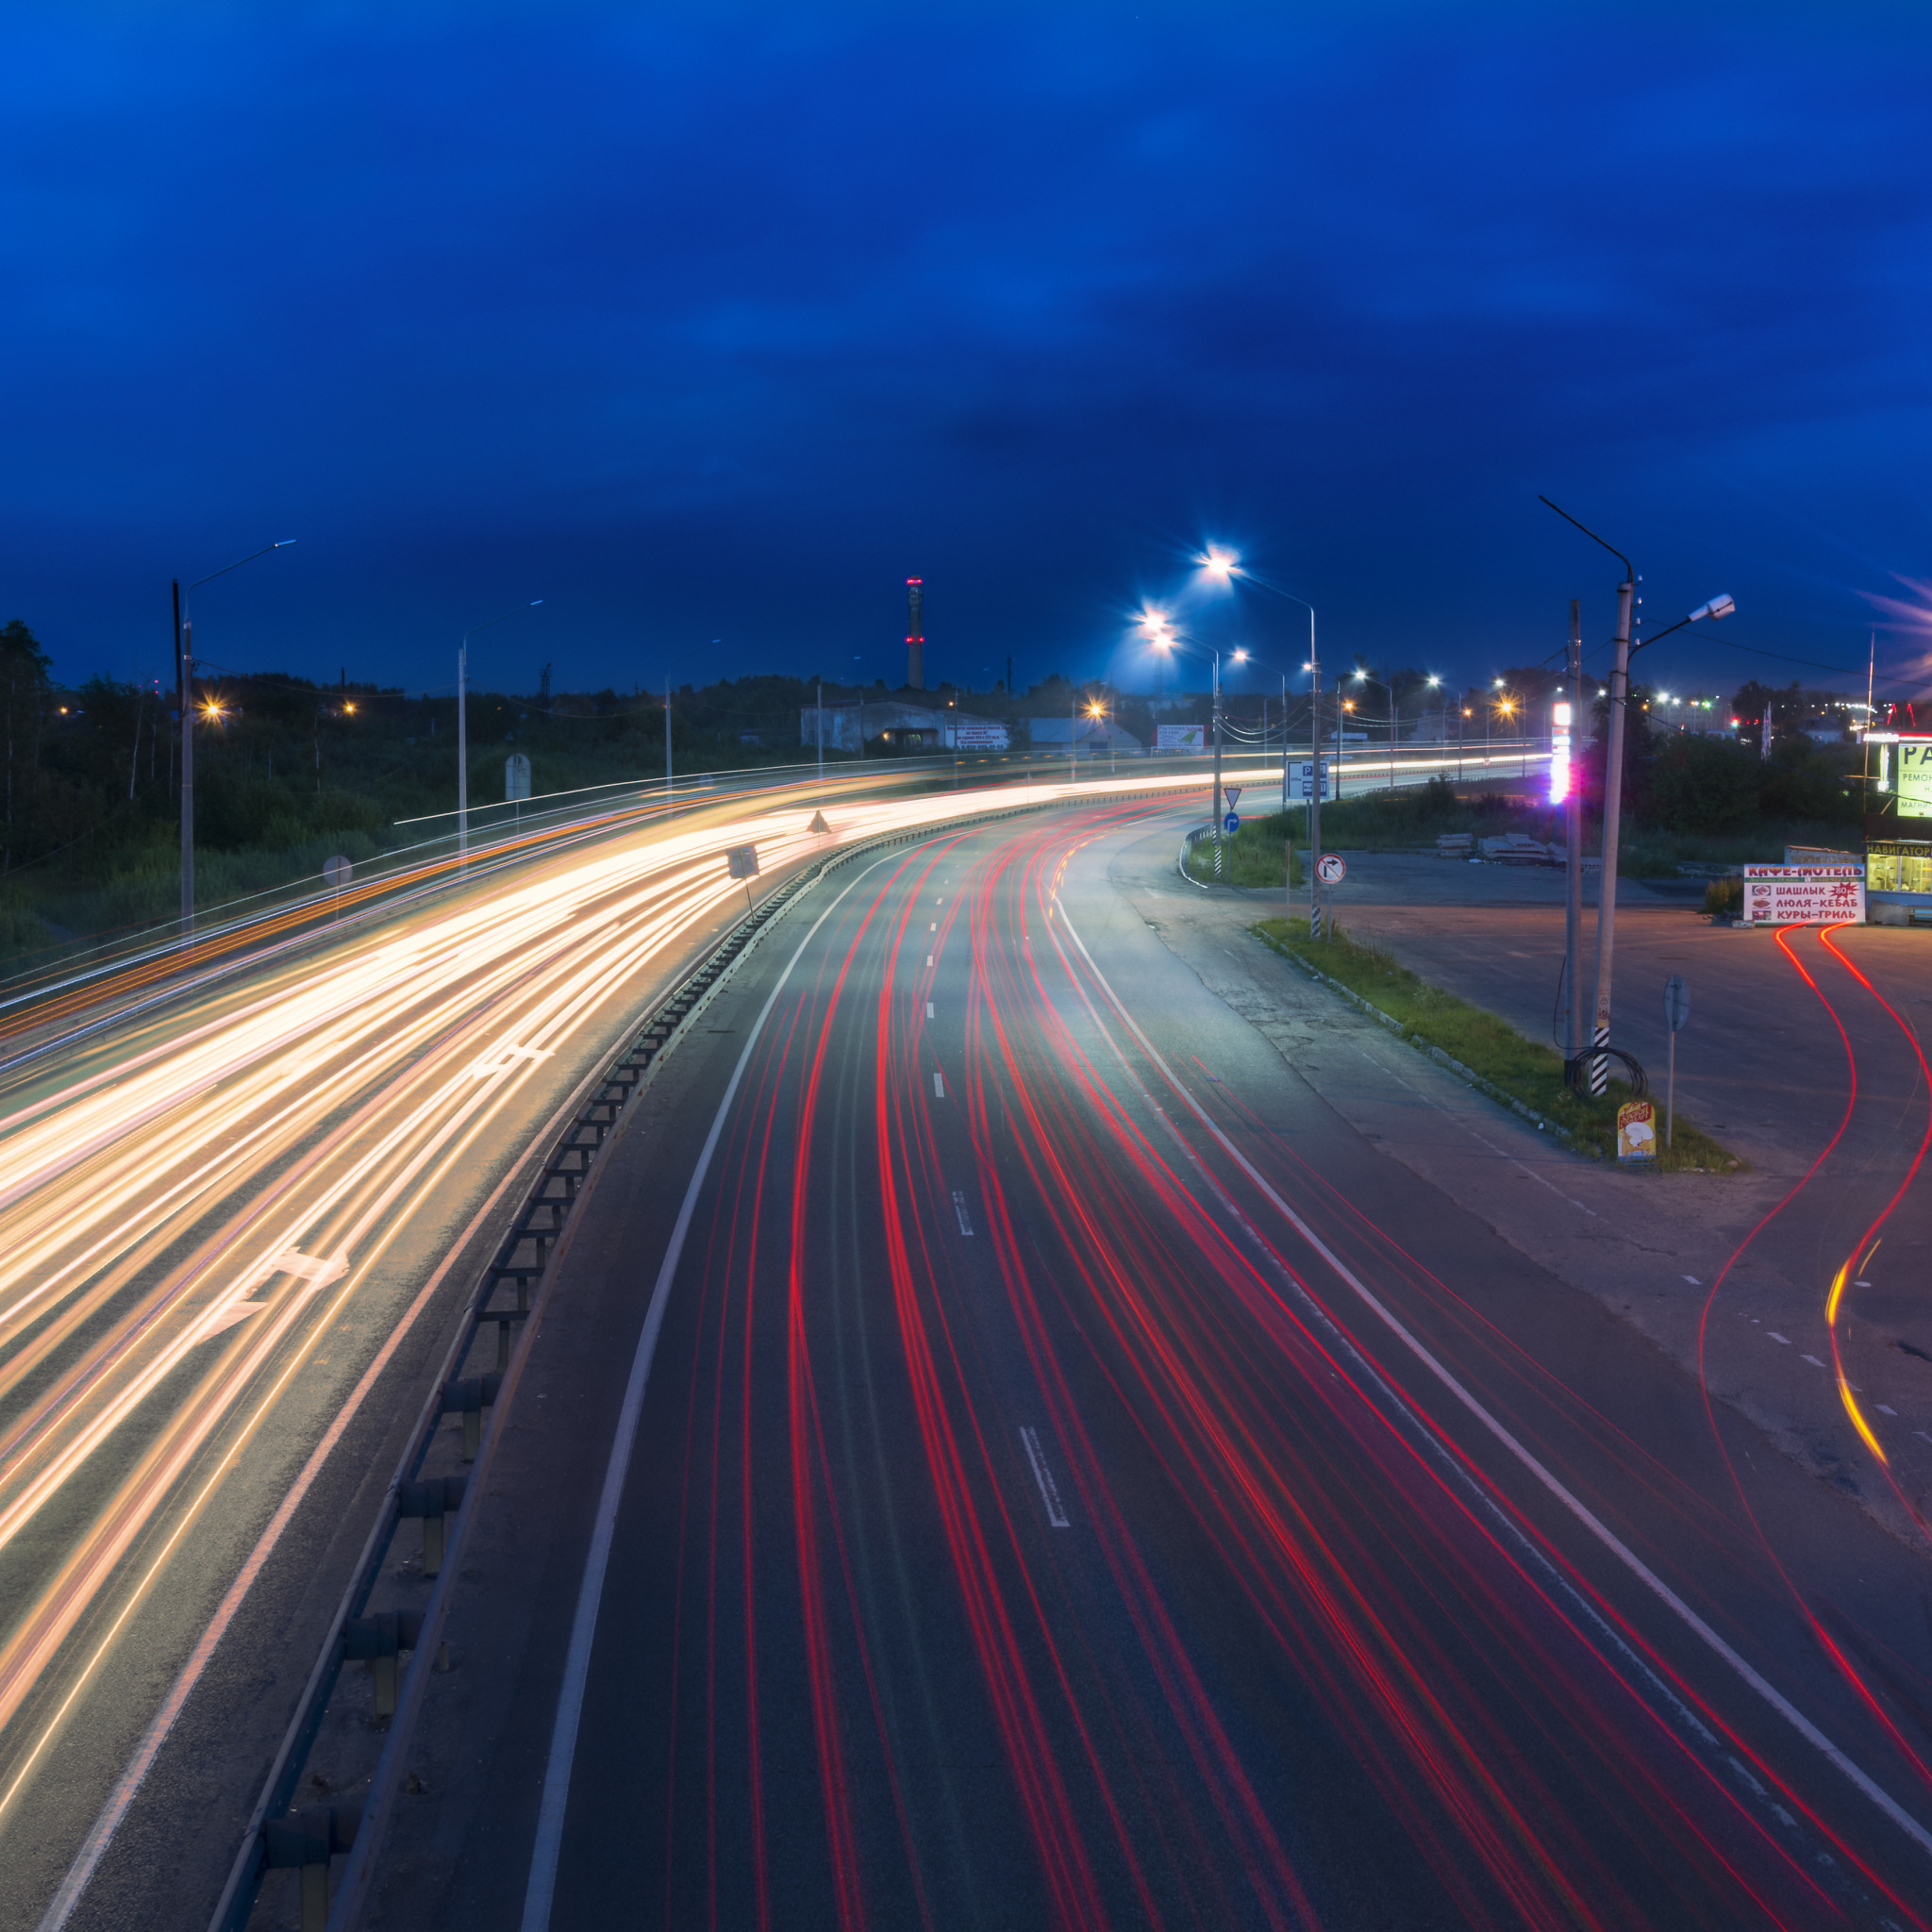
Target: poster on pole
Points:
(1803, 895)
(1180, 737)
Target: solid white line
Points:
(95, 1845)
(576, 1668)
(1049, 1489)
(1629, 1558)
(939, 1087)
(959, 1208)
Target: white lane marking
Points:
(928, 958)
(966, 1220)
(1884, 1410)
(1771, 1695)
(1812, 1360)
(316, 1270)
(1922, 1436)
(577, 1663)
(928, 1009)
(1776, 1337)
(934, 926)
(1694, 1281)
(226, 1316)
(1049, 1489)
(939, 1087)
(503, 1058)
(122, 1798)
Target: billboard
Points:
(1180, 737)
(1804, 895)
(1915, 777)
(979, 738)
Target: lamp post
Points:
(1363, 677)
(1613, 783)
(464, 724)
(184, 686)
(1095, 709)
(1164, 640)
(1226, 566)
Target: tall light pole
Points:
(1613, 785)
(1164, 640)
(1363, 677)
(1226, 566)
(463, 723)
(184, 684)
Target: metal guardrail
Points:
(509, 1296)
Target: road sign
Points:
(516, 777)
(1232, 822)
(1676, 1001)
(1330, 870)
(1230, 792)
(338, 871)
(1304, 776)
(1637, 1131)
(744, 861)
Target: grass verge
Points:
(1499, 1055)
(1253, 856)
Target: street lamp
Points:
(1096, 710)
(1363, 677)
(1619, 695)
(463, 723)
(184, 682)
(1164, 640)
(1224, 566)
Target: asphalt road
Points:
(1034, 1464)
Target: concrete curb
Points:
(1468, 1074)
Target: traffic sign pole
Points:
(1677, 1011)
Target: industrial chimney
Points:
(915, 636)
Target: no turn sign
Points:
(1330, 870)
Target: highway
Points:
(1006, 1454)
(231, 1212)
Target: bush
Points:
(1702, 785)
(1724, 897)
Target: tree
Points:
(25, 680)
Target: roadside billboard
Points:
(1804, 895)
(1180, 737)
(1915, 777)
(979, 738)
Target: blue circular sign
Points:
(1232, 822)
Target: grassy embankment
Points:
(1485, 1045)
(1253, 856)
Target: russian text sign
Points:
(1804, 895)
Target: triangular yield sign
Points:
(818, 823)
(1230, 792)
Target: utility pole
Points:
(667, 740)
(184, 678)
(819, 714)
(1764, 749)
(1613, 817)
(1217, 765)
(1572, 843)
(1315, 792)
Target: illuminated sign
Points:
(1804, 895)
(1914, 786)
(1180, 737)
(1560, 751)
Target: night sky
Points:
(715, 322)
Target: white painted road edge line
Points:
(576, 1667)
(1049, 1489)
(94, 1846)
(1629, 1558)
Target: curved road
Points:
(1040, 1467)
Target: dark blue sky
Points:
(716, 322)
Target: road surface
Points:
(1034, 1465)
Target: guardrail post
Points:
(378, 1641)
(469, 1399)
(304, 1842)
(432, 1500)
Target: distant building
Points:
(851, 722)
